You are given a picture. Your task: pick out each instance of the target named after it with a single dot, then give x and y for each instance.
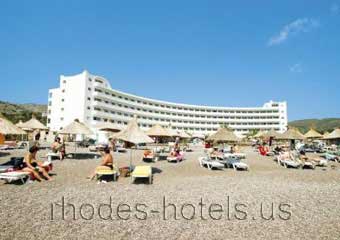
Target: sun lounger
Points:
(240, 166)
(330, 157)
(14, 176)
(176, 159)
(234, 163)
(142, 172)
(149, 158)
(52, 155)
(121, 149)
(321, 162)
(288, 163)
(210, 163)
(308, 164)
(235, 155)
(106, 171)
(15, 163)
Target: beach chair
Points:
(15, 163)
(142, 172)
(121, 149)
(52, 155)
(150, 156)
(235, 163)
(176, 159)
(106, 171)
(9, 177)
(210, 163)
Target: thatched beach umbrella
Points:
(334, 135)
(133, 134)
(184, 135)
(158, 131)
(172, 132)
(271, 134)
(325, 134)
(292, 134)
(108, 127)
(76, 127)
(223, 135)
(259, 134)
(312, 134)
(32, 124)
(6, 127)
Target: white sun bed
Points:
(210, 164)
(290, 163)
(177, 159)
(235, 155)
(14, 176)
(121, 149)
(235, 163)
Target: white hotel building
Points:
(91, 99)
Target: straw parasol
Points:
(184, 135)
(76, 127)
(223, 135)
(109, 127)
(325, 134)
(271, 134)
(32, 124)
(291, 134)
(158, 131)
(133, 134)
(172, 132)
(312, 134)
(6, 127)
(334, 135)
(259, 134)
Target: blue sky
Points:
(225, 53)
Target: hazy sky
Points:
(240, 53)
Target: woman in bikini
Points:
(31, 165)
(107, 161)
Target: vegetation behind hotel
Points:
(17, 112)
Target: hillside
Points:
(321, 125)
(17, 112)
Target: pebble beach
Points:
(185, 201)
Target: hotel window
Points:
(64, 81)
(62, 109)
(50, 103)
(48, 120)
(95, 90)
(50, 94)
(49, 111)
(90, 80)
(62, 100)
(62, 119)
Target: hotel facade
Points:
(91, 99)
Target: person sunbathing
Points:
(107, 161)
(57, 146)
(32, 166)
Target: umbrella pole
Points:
(131, 163)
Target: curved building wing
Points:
(91, 99)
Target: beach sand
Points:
(306, 203)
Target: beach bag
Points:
(18, 162)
